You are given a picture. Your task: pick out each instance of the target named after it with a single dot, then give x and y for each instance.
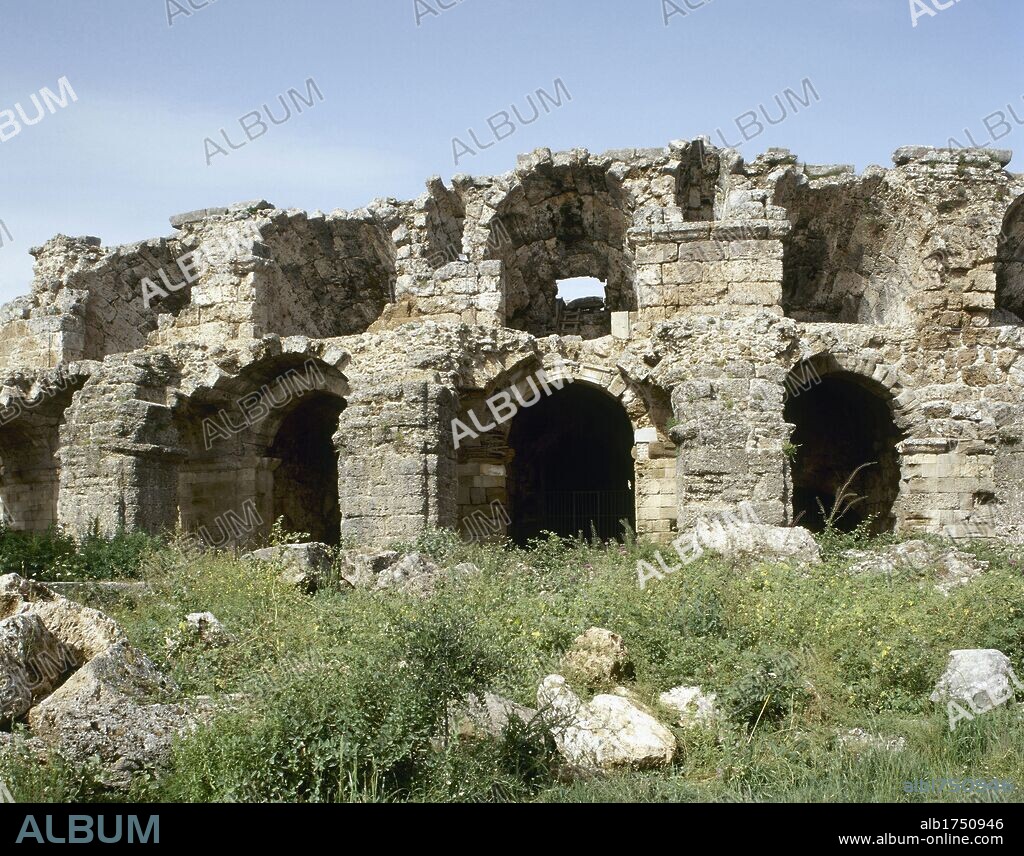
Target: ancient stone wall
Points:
(768, 332)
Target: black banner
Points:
(203, 826)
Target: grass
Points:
(55, 557)
(342, 696)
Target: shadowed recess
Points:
(843, 423)
(572, 469)
(306, 474)
(1010, 266)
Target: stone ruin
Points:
(767, 330)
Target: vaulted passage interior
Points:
(328, 277)
(561, 223)
(30, 460)
(843, 428)
(844, 261)
(260, 448)
(572, 466)
(306, 469)
(1010, 267)
(29, 474)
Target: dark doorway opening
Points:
(843, 426)
(306, 477)
(1010, 267)
(572, 467)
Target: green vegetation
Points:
(55, 557)
(343, 696)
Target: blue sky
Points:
(130, 152)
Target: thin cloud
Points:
(151, 164)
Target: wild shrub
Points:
(53, 556)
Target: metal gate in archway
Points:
(599, 513)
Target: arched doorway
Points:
(562, 222)
(260, 447)
(1010, 267)
(306, 468)
(30, 453)
(572, 466)
(843, 450)
(29, 477)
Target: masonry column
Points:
(396, 468)
(119, 456)
(730, 434)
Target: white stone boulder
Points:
(860, 740)
(952, 567)
(303, 565)
(413, 573)
(360, 570)
(199, 629)
(692, 706)
(957, 569)
(741, 538)
(978, 678)
(609, 732)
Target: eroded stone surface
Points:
(609, 732)
(597, 658)
(978, 679)
(85, 631)
(113, 708)
(767, 327)
(32, 664)
(70, 673)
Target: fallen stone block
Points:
(609, 732)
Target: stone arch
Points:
(485, 462)
(305, 491)
(845, 438)
(30, 427)
(891, 386)
(572, 468)
(261, 447)
(1010, 266)
(561, 221)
